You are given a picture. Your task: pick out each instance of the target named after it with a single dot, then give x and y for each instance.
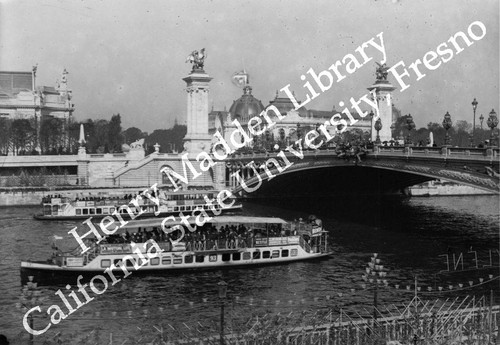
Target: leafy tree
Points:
(51, 135)
(169, 139)
(101, 136)
(5, 134)
(22, 136)
(114, 137)
(160, 136)
(133, 134)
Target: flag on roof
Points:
(241, 79)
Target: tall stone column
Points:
(383, 89)
(197, 138)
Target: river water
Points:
(410, 236)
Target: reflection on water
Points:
(409, 235)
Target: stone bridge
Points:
(385, 169)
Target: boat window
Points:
(111, 209)
(167, 260)
(212, 258)
(183, 208)
(92, 211)
(200, 258)
(177, 261)
(85, 211)
(78, 211)
(276, 253)
(188, 259)
(176, 208)
(226, 257)
(155, 261)
(246, 256)
(105, 263)
(236, 256)
(130, 263)
(98, 210)
(284, 253)
(105, 210)
(117, 262)
(266, 254)
(256, 255)
(294, 252)
(47, 210)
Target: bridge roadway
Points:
(408, 165)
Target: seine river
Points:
(410, 235)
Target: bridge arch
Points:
(390, 172)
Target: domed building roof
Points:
(246, 107)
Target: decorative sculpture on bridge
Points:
(137, 145)
(197, 59)
(381, 72)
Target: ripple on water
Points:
(409, 235)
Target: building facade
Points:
(294, 124)
(22, 99)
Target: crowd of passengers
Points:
(48, 198)
(204, 238)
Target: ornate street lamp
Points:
(222, 285)
(481, 118)
(371, 114)
(410, 125)
(474, 107)
(378, 127)
(375, 271)
(447, 125)
(492, 123)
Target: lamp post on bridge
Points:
(474, 107)
(492, 123)
(481, 118)
(378, 127)
(447, 125)
(371, 114)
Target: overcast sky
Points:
(128, 57)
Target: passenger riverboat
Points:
(57, 207)
(222, 242)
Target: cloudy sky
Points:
(128, 57)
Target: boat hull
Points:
(49, 274)
(38, 216)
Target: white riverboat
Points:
(57, 207)
(222, 242)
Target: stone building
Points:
(21, 98)
(247, 106)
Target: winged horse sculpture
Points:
(197, 58)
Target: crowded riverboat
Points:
(147, 246)
(58, 207)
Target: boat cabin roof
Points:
(192, 220)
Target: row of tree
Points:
(103, 136)
(56, 136)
